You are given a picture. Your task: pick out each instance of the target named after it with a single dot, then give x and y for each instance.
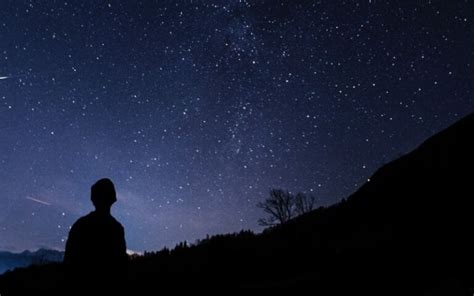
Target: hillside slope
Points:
(407, 229)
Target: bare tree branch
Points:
(304, 203)
(281, 206)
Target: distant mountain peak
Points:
(10, 260)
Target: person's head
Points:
(103, 194)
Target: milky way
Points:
(196, 109)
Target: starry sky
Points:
(195, 109)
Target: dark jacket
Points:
(96, 251)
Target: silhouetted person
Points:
(96, 250)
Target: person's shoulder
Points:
(115, 222)
(82, 221)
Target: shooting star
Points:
(4, 77)
(38, 201)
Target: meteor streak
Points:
(38, 201)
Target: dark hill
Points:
(406, 231)
(9, 260)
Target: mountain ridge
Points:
(11, 260)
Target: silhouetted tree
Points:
(304, 203)
(280, 207)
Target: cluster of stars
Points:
(196, 109)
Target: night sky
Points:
(195, 109)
